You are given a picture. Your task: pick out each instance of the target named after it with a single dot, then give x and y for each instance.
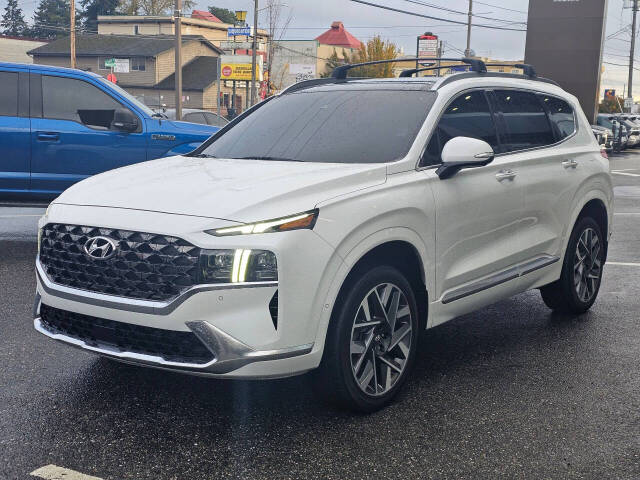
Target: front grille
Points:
(146, 266)
(183, 347)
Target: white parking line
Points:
(618, 172)
(626, 213)
(16, 216)
(624, 264)
(53, 472)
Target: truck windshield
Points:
(130, 98)
(329, 126)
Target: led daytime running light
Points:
(295, 222)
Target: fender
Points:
(348, 261)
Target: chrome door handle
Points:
(570, 164)
(505, 175)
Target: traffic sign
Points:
(110, 62)
(628, 102)
(236, 45)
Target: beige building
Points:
(13, 49)
(148, 65)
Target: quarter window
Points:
(526, 122)
(468, 116)
(9, 94)
(78, 101)
(561, 116)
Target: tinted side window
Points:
(9, 94)
(468, 116)
(561, 116)
(526, 122)
(76, 100)
(195, 117)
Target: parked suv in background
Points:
(59, 126)
(325, 227)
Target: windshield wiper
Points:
(277, 159)
(159, 115)
(203, 155)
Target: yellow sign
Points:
(235, 71)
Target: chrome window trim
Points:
(132, 304)
(498, 155)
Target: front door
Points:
(72, 137)
(15, 130)
(478, 211)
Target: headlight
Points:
(293, 222)
(237, 266)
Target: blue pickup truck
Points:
(59, 126)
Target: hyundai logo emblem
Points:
(100, 248)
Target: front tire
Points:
(372, 341)
(581, 276)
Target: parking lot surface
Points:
(511, 391)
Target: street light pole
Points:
(632, 52)
(253, 53)
(177, 23)
(72, 25)
(467, 52)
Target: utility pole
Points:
(253, 53)
(177, 25)
(632, 52)
(72, 24)
(467, 52)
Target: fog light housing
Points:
(237, 266)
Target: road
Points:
(511, 391)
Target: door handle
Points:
(48, 136)
(505, 175)
(570, 163)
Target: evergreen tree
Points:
(92, 8)
(225, 15)
(13, 20)
(51, 19)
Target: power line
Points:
(502, 8)
(492, 27)
(445, 9)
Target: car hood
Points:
(191, 127)
(235, 190)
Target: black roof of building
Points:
(198, 74)
(116, 45)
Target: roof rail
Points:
(478, 66)
(461, 76)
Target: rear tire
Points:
(371, 343)
(579, 283)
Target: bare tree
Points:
(277, 27)
(152, 7)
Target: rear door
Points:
(15, 130)
(71, 133)
(544, 160)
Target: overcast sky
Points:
(311, 17)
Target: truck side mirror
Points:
(124, 120)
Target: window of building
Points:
(138, 64)
(136, 30)
(561, 116)
(526, 122)
(468, 116)
(78, 101)
(9, 94)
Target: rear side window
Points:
(561, 116)
(468, 116)
(78, 101)
(526, 122)
(9, 94)
(196, 117)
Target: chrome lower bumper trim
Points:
(230, 353)
(131, 304)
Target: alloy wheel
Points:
(587, 265)
(380, 339)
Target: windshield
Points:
(329, 126)
(130, 98)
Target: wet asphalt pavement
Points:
(511, 391)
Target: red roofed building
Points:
(338, 36)
(204, 15)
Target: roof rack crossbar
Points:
(340, 73)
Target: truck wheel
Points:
(372, 341)
(581, 275)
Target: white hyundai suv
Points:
(328, 225)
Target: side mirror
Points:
(464, 152)
(124, 120)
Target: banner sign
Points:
(232, 31)
(238, 67)
(121, 65)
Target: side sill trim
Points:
(498, 278)
(131, 304)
